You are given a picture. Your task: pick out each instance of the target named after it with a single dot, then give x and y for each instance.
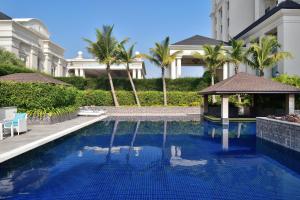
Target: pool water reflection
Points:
(155, 160)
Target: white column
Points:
(77, 72)
(225, 109)
(82, 73)
(33, 58)
(225, 71)
(178, 65)
(257, 9)
(290, 104)
(134, 74)
(173, 70)
(47, 64)
(139, 74)
(58, 69)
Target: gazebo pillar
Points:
(205, 106)
(225, 109)
(290, 104)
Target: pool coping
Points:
(44, 140)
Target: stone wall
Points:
(51, 120)
(286, 134)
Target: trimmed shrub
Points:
(10, 59)
(149, 98)
(290, 80)
(181, 84)
(6, 69)
(30, 96)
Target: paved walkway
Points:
(39, 135)
(152, 111)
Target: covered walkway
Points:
(188, 47)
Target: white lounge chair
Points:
(90, 111)
(18, 124)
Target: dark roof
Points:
(199, 40)
(288, 4)
(244, 83)
(4, 16)
(31, 78)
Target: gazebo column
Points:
(290, 104)
(225, 109)
(205, 104)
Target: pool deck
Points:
(39, 135)
(153, 113)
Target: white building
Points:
(29, 39)
(253, 19)
(85, 67)
(247, 20)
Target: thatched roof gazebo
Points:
(244, 83)
(31, 78)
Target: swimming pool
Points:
(155, 160)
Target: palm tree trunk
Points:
(261, 72)
(133, 87)
(164, 86)
(213, 83)
(112, 87)
(236, 69)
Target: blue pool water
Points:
(155, 160)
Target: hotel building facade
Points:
(252, 19)
(29, 39)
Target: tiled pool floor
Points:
(154, 160)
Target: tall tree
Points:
(236, 54)
(105, 49)
(265, 54)
(214, 57)
(128, 57)
(160, 55)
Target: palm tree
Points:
(213, 58)
(106, 49)
(236, 55)
(127, 57)
(265, 54)
(160, 55)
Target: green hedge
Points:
(36, 96)
(147, 98)
(6, 69)
(290, 80)
(155, 84)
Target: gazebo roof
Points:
(31, 78)
(199, 40)
(244, 83)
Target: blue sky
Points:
(144, 21)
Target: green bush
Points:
(40, 113)
(181, 84)
(6, 69)
(147, 98)
(290, 80)
(9, 59)
(36, 96)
